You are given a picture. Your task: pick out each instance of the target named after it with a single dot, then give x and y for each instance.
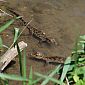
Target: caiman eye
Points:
(36, 54)
(44, 33)
(53, 40)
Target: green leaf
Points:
(76, 78)
(1, 43)
(24, 66)
(7, 24)
(65, 68)
(38, 79)
(80, 70)
(80, 82)
(6, 82)
(51, 79)
(76, 56)
(16, 34)
(82, 37)
(78, 52)
(12, 77)
(30, 80)
(20, 59)
(81, 42)
(50, 76)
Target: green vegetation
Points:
(71, 73)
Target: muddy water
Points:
(62, 20)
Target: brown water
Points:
(62, 20)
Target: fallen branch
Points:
(10, 54)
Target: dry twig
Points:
(10, 54)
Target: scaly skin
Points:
(36, 32)
(39, 55)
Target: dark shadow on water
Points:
(9, 65)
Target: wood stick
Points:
(10, 54)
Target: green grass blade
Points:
(24, 66)
(65, 68)
(30, 80)
(51, 75)
(51, 79)
(7, 24)
(1, 81)
(16, 34)
(82, 37)
(38, 79)
(1, 43)
(6, 82)
(20, 59)
(18, 17)
(12, 77)
(75, 56)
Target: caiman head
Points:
(51, 41)
(37, 55)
